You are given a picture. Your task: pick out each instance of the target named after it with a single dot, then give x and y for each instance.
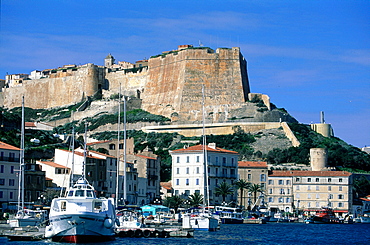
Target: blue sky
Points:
(308, 56)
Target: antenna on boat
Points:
(21, 165)
(118, 131)
(85, 156)
(73, 156)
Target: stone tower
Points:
(109, 60)
(318, 159)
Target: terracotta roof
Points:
(166, 185)
(367, 198)
(6, 146)
(53, 164)
(81, 154)
(47, 178)
(309, 173)
(29, 124)
(199, 148)
(102, 154)
(146, 157)
(251, 164)
(98, 142)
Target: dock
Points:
(254, 221)
(24, 233)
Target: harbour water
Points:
(270, 233)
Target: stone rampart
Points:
(58, 90)
(174, 87)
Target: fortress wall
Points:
(57, 91)
(130, 82)
(175, 82)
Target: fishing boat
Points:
(326, 216)
(80, 216)
(229, 215)
(365, 217)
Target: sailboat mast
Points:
(21, 165)
(124, 151)
(118, 132)
(206, 194)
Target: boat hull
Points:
(321, 220)
(203, 223)
(231, 221)
(77, 228)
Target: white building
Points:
(59, 174)
(9, 168)
(188, 170)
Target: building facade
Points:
(188, 171)
(308, 191)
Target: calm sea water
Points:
(271, 233)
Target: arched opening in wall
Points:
(138, 94)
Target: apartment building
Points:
(310, 190)
(188, 171)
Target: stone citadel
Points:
(168, 84)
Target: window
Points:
(308, 179)
(11, 196)
(249, 177)
(2, 181)
(263, 186)
(216, 160)
(197, 170)
(1, 168)
(281, 200)
(177, 159)
(177, 170)
(340, 188)
(12, 169)
(340, 204)
(317, 196)
(187, 170)
(198, 158)
(281, 182)
(288, 191)
(330, 196)
(329, 188)
(317, 204)
(297, 195)
(309, 196)
(1, 194)
(317, 187)
(288, 182)
(297, 187)
(340, 196)
(270, 191)
(308, 188)
(329, 179)
(317, 180)
(11, 182)
(187, 159)
(224, 160)
(309, 204)
(271, 182)
(112, 146)
(271, 199)
(262, 177)
(196, 181)
(340, 180)
(297, 179)
(282, 191)
(177, 182)
(232, 161)
(187, 181)
(288, 200)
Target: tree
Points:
(196, 199)
(255, 188)
(173, 202)
(242, 185)
(224, 189)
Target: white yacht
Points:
(80, 216)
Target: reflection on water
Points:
(271, 233)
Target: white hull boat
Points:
(81, 217)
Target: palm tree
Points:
(224, 189)
(242, 185)
(196, 199)
(255, 188)
(173, 202)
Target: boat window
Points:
(97, 205)
(89, 194)
(79, 193)
(70, 194)
(63, 206)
